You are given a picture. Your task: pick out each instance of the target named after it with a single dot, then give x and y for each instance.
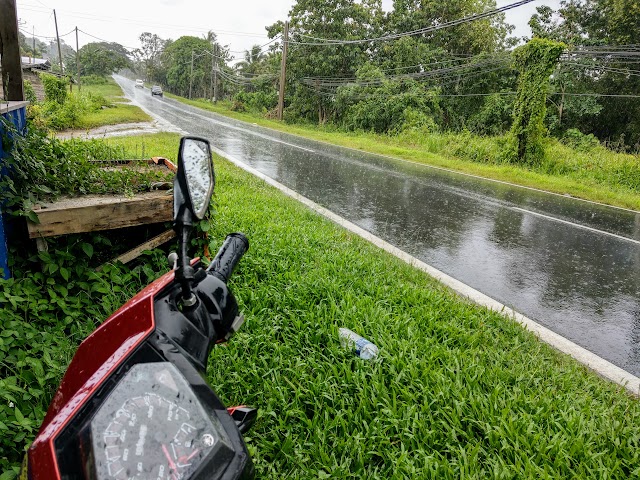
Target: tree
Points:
(471, 38)
(101, 58)
(177, 60)
(252, 60)
(26, 46)
(149, 54)
(586, 24)
(325, 19)
(52, 53)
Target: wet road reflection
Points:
(572, 266)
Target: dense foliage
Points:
(458, 78)
(54, 300)
(101, 58)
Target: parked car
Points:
(156, 90)
(139, 83)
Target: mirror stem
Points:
(185, 273)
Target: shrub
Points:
(416, 120)
(576, 139)
(45, 316)
(55, 89)
(29, 92)
(495, 116)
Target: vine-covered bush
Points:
(535, 61)
(55, 89)
(29, 92)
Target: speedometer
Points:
(153, 426)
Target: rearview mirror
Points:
(195, 172)
(192, 190)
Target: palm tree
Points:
(252, 60)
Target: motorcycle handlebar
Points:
(232, 250)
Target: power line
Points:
(365, 97)
(421, 31)
(442, 72)
(277, 37)
(104, 40)
(31, 35)
(633, 73)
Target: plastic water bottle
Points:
(364, 348)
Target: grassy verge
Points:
(596, 174)
(113, 115)
(109, 89)
(458, 391)
(116, 113)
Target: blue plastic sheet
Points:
(17, 117)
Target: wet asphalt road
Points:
(571, 265)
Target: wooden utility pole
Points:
(34, 44)
(77, 60)
(55, 19)
(215, 75)
(10, 50)
(283, 69)
(191, 75)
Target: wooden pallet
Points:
(91, 213)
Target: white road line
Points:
(240, 129)
(584, 227)
(596, 363)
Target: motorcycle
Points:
(134, 401)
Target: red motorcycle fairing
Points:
(98, 356)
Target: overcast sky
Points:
(239, 23)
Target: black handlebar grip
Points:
(232, 250)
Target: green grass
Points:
(109, 90)
(113, 116)
(117, 112)
(457, 392)
(598, 175)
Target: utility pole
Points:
(191, 75)
(34, 43)
(213, 59)
(10, 50)
(215, 75)
(283, 69)
(77, 59)
(55, 19)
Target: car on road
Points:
(156, 90)
(139, 83)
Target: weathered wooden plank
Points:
(92, 213)
(148, 245)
